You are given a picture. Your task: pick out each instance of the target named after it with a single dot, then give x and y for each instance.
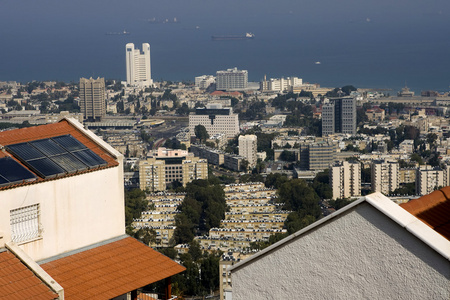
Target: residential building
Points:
(92, 99)
(428, 179)
(345, 179)
(339, 116)
(248, 148)
(138, 66)
(216, 119)
(231, 80)
(371, 248)
(165, 166)
(385, 176)
(62, 208)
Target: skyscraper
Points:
(92, 99)
(138, 66)
(339, 116)
(345, 179)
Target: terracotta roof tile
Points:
(28, 134)
(433, 209)
(110, 270)
(19, 282)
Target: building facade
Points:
(429, 179)
(385, 177)
(215, 119)
(204, 81)
(138, 66)
(92, 99)
(281, 84)
(345, 179)
(339, 116)
(248, 148)
(231, 80)
(317, 155)
(168, 166)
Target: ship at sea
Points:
(118, 33)
(247, 36)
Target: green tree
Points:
(201, 133)
(135, 204)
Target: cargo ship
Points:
(247, 36)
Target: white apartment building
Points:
(62, 195)
(204, 81)
(248, 148)
(385, 176)
(231, 80)
(281, 84)
(138, 66)
(345, 179)
(215, 119)
(429, 179)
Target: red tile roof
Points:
(19, 282)
(433, 209)
(10, 137)
(110, 270)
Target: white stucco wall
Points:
(76, 211)
(361, 254)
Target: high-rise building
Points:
(281, 84)
(345, 179)
(92, 99)
(339, 116)
(138, 66)
(248, 148)
(385, 176)
(231, 80)
(429, 179)
(215, 119)
(317, 155)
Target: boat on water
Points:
(118, 33)
(247, 36)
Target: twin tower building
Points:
(92, 91)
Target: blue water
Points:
(365, 43)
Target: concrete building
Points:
(166, 166)
(62, 209)
(92, 99)
(248, 148)
(215, 119)
(204, 81)
(385, 176)
(345, 179)
(317, 155)
(232, 80)
(281, 84)
(371, 249)
(138, 66)
(428, 179)
(339, 116)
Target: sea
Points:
(369, 44)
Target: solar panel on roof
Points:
(12, 172)
(3, 181)
(90, 158)
(69, 162)
(48, 147)
(69, 142)
(46, 167)
(56, 156)
(25, 152)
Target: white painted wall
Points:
(76, 211)
(361, 254)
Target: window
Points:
(25, 223)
